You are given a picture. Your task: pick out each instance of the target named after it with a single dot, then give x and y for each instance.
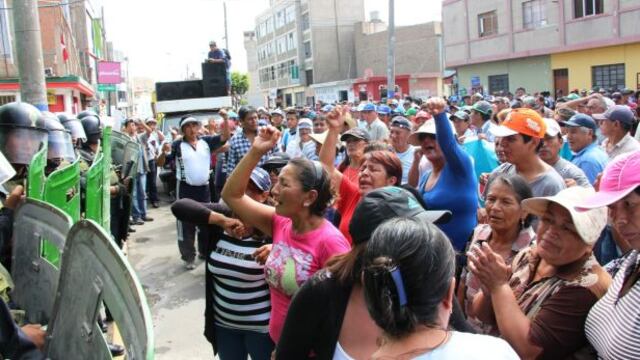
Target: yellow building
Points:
(604, 65)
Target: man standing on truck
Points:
(217, 55)
(192, 154)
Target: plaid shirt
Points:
(239, 146)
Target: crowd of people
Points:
(462, 227)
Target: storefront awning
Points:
(56, 82)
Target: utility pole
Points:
(26, 25)
(391, 55)
(226, 35)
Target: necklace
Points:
(417, 351)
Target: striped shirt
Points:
(240, 291)
(613, 324)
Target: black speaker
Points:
(214, 79)
(177, 90)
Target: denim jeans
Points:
(139, 209)
(233, 344)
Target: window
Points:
(291, 41)
(6, 31)
(299, 98)
(290, 14)
(608, 76)
(263, 29)
(307, 49)
(305, 21)
(269, 26)
(584, 8)
(282, 71)
(533, 14)
(293, 68)
(498, 83)
(282, 45)
(273, 72)
(488, 24)
(5, 99)
(279, 19)
(309, 76)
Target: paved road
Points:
(176, 296)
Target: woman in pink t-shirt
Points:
(303, 240)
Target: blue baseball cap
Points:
(384, 110)
(581, 120)
(312, 115)
(260, 178)
(620, 113)
(263, 122)
(232, 115)
(368, 107)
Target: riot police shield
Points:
(62, 189)
(35, 176)
(95, 271)
(94, 207)
(124, 154)
(106, 174)
(39, 234)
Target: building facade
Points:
(73, 42)
(499, 45)
(301, 43)
(418, 60)
(253, 95)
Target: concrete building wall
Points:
(417, 50)
(580, 63)
(532, 73)
(332, 36)
(558, 31)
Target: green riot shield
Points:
(95, 271)
(106, 173)
(94, 207)
(62, 189)
(35, 177)
(124, 154)
(40, 232)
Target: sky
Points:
(166, 39)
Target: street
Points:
(175, 296)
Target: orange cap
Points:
(521, 121)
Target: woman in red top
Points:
(380, 168)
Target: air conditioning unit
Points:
(48, 71)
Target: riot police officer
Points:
(22, 135)
(60, 152)
(71, 123)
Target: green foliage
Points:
(239, 83)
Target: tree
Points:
(239, 86)
(239, 83)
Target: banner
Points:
(109, 72)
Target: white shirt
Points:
(196, 163)
(471, 347)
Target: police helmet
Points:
(71, 123)
(87, 112)
(59, 143)
(22, 132)
(92, 127)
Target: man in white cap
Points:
(550, 153)
(193, 161)
(303, 145)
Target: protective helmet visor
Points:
(76, 129)
(6, 170)
(60, 146)
(20, 144)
